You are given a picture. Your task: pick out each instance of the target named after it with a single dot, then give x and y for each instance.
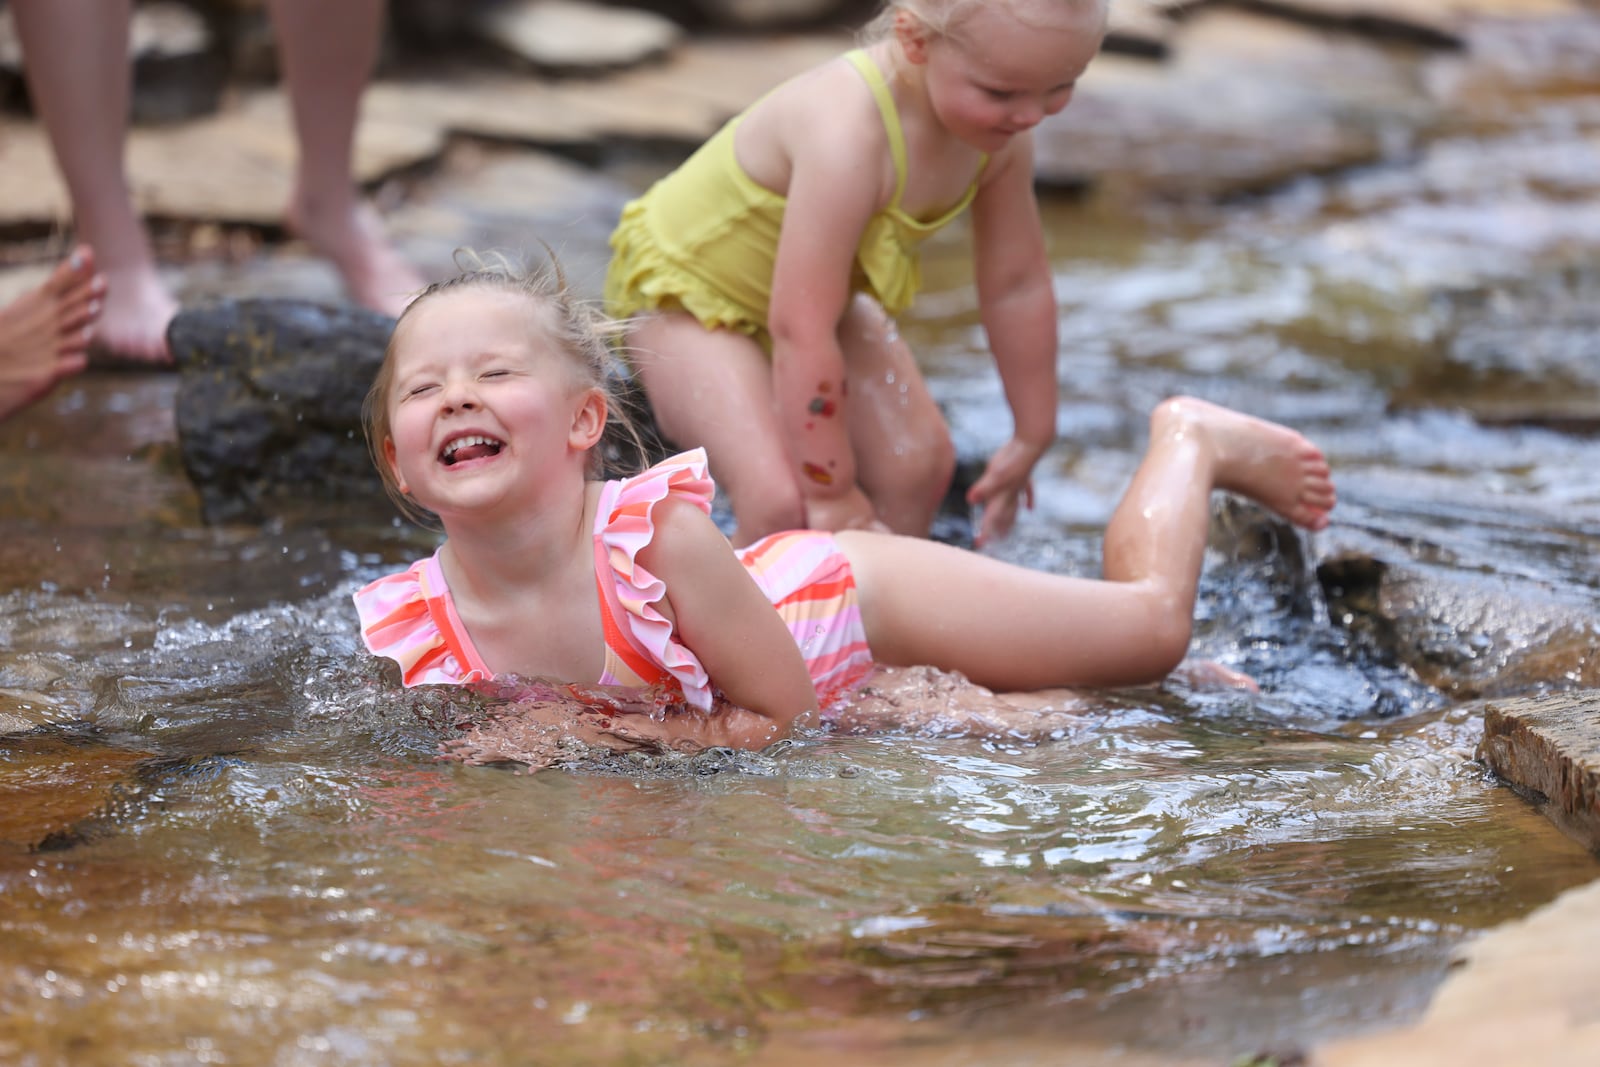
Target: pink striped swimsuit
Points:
(410, 618)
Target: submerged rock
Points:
(1466, 635)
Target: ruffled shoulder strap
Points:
(410, 618)
(636, 632)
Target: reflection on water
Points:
(227, 838)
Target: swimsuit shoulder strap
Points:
(891, 117)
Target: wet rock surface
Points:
(1550, 747)
(270, 403)
(1522, 994)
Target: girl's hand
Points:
(850, 511)
(1005, 487)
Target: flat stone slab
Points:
(683, 99)
(235, 166)
(1242, 103)
(568, 35)
(1524, 995)
(1550, 745)
(1430, 22)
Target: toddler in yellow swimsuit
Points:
(760, 278)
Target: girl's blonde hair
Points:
(943, 18)
(577, 328)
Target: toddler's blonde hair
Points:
(944, 18)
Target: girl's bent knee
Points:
(1167, 643)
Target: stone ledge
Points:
(1550, 746)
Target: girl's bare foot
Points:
(133, 324)
(1263, 461)
(45, 332)
(352, 239)
(1209, 674)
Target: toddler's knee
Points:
(767, 508)
(929, 463)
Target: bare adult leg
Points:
(45, 332)
(76, 54)
(1010, 628)
(904, 456)
(328, 51)
(712, 389)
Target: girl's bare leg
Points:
(328, 51)
(45, 332)
(904, 456)
(1010, 628)
(79, 74)
(712, 389)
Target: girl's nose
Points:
(457, 396)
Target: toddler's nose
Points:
(1027, 115)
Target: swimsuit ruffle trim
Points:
(397, 623)
(627, 529)
(645, 279)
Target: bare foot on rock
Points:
(45, 333)
(133, 324)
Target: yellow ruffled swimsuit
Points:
(704, 239)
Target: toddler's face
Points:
(1008, 66)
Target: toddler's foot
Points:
(45, 332)
(1263, 461)
(352, 239)
(133, 324)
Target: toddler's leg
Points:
(1011, 628)
(713, 389)
(328, 52)
(76, 55)
(904, 457)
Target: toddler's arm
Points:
(1018, 306)
(834, 187)
(722, 616)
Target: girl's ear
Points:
(394, 467)
(912, 35)
(588, 420)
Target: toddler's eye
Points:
(419, 390)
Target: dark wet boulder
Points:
(269, 410)
(269, 405)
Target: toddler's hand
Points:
(1005, 487)
(850, 511)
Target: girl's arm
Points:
(1018, 306)
(835, 184)
(723, 617)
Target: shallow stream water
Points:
(226, 836)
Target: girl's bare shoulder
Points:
(826, 115)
